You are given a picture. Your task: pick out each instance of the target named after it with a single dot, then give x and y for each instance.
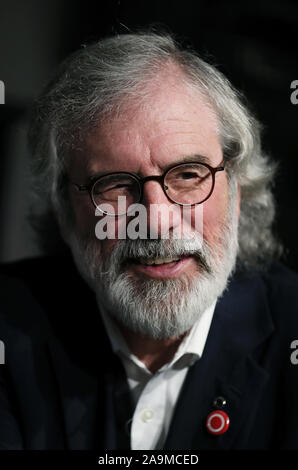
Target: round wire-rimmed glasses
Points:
(185, 184)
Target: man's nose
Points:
(162, 214)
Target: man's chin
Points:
(156, 308)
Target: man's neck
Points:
(154, 353)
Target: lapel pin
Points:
(219, 402)
(217, 422)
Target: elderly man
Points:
(169, 330)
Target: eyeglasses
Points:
(185, 184)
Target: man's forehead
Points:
(166, 114)
(173, 121)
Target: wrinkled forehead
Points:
(169, 98)
(167, 119)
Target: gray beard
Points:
(156, 308)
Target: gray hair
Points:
(100, 79)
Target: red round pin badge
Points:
(217, 422)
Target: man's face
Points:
(173, 126)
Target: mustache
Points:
(126, 251)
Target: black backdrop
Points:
(254, 43)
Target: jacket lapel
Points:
(91, 415)
(228, 368)
(78, 391)
(81, 354)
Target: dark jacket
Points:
(61, 387)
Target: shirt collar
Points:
(189, 350)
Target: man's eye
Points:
(187, 175)
(118, 186)
(114, 188)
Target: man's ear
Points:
(238, 200)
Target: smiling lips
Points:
(161, 267)
(158, 261)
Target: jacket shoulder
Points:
(282, 286)
(279, 281)
(282, 293)
(44, 299)
(21, 315)
(281, 274)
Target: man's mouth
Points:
(161, 267)
(159, 261)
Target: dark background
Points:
(254, 43)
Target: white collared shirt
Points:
(155, 395)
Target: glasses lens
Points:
(190, 183)
(108, 189)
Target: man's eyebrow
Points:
(196, 158)
(189, 159)
(95, 176)
(186, 159)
